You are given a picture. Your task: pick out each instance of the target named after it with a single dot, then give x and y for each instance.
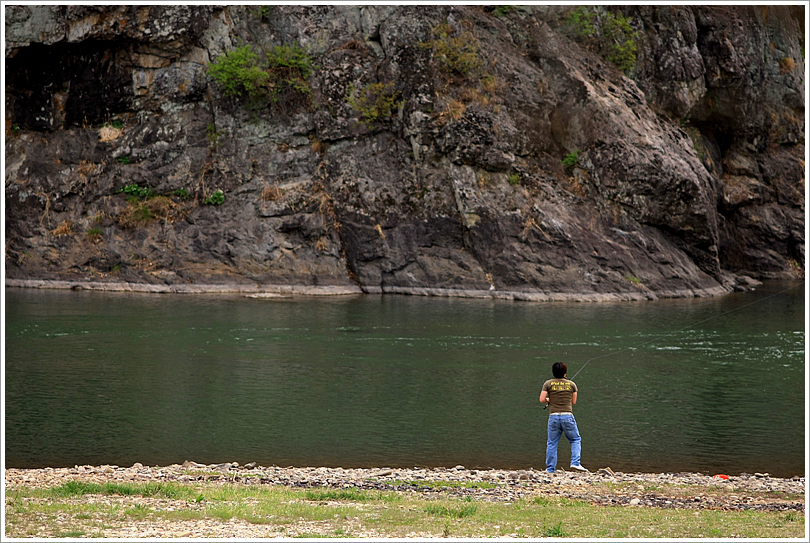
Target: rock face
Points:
(432, 149)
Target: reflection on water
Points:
(711, 385)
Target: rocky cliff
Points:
(534, 152)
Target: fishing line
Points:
(684, 328)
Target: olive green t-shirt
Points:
(560, 394)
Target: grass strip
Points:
(76, 509)
(80, 488)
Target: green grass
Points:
(555, 531)
(80, 488)
(455, 511)
(66, 511)
(349, 494)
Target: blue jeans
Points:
(557, 425)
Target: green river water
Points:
(711, 385)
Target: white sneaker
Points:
(580, 468)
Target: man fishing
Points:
(560, 394)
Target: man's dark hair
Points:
(559, 369)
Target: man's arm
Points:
(544, 397)
(574, 398)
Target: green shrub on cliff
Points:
(609, 34)
(183, 194)
(579, 21)
(294, 63)
(216, 198)
(136, 190)
(455, 54)
(374, 102)
(283, 73)
(621, 37)
(570, 160)
(502, 11)
(239, 72)
(290, 69)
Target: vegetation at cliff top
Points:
(609, 34)
(501, 11)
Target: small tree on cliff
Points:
(238, 72)
(282, 76)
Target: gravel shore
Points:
(508, 485)
(693, 491)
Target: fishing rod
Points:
(684, 328)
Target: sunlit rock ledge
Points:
(271, 291)
(253, 290)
